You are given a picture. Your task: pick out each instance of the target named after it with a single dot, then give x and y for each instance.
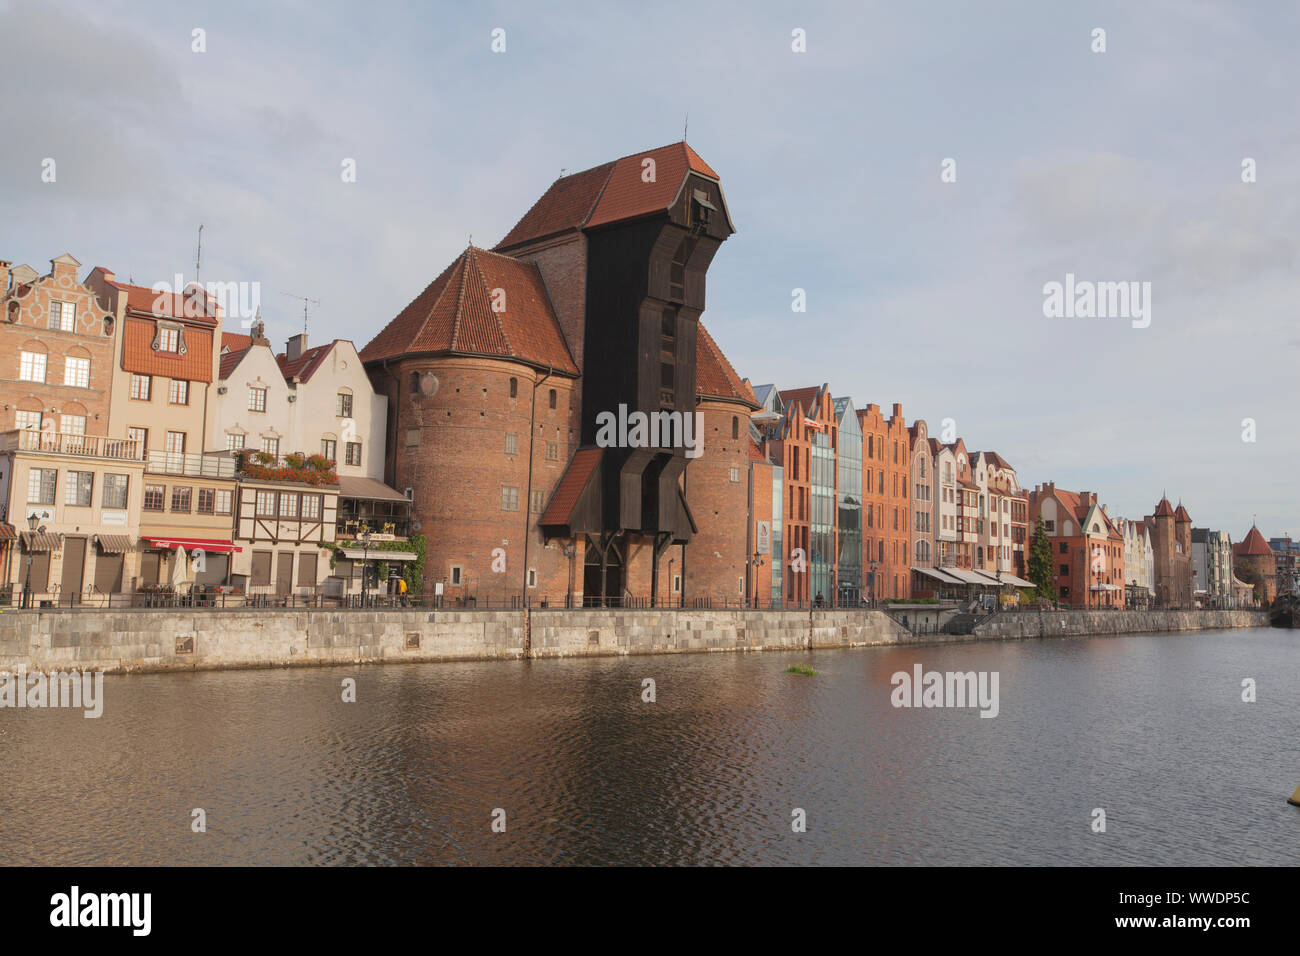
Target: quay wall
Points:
(167, 640)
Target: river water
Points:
(1150, 729)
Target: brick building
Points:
(1253, 550)
(1087, 547)
(496, 422)
(886, 505)
(1171, 551)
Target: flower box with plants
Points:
(263, 466)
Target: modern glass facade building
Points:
(849, 501)
(821, 560)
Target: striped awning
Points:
(7, 532)
(116, 543)
(40, 541)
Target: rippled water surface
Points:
(1150, 728)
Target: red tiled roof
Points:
(611, 192)
(306, 364)
(228, 362)
(168, 305)
(1181, 514)
(454, 314)
(1164, 509)
(235, 341)
(804, 396)
(714, 375)
(138, 354)
(1252, 544)
(584, 463)
(756, 453)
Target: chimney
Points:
(296, 345)
(898, 409)
(4, 276)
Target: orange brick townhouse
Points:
(501, 372)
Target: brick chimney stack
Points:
(296, 345)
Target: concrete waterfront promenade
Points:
(178, 640)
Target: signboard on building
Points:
(764, 537)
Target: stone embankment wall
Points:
(163, 640)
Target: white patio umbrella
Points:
(180, 570)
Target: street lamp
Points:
(33, 520)
(874, 565)
(755, 563)
(365, 563)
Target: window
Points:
(509, 498)
(76, 372)
(266, 504)
(175, 451)
(140, 436)
(154, 496)
(223, 503)
(537, 502)
(735, 427)
(532, 577)
(31, 367)
(455, 574)
(512, 444)
(169, 339)
(234, 442)
(352, 451)
(115, 490)
(735, 474)
(514, 388)
(72, 424)
(1065, 570)
(311, 506)
(329, 448)
(76, 490)
(552, 451)
(1065, 548)
(63, 317)
(40, 485)
(181, 498)
(141, 387)
(271, 446)
(552, 398)
(343, 405)
(27, 420)
(288, 505)
(207, 498)
(256, 399)
(179, 393)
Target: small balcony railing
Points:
(213, 465)
(78, 446)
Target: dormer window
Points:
(701, 209)
(169, 338)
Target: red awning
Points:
(189, 544)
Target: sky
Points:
(1122, 165)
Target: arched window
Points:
(552, 398)
(514, 388)
(735, 427)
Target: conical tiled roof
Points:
(714, 375)
(1181, 514)
(1253, 544)
(456, 314)
(1164, 509)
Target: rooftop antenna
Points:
(198, 256)
(305, 302)
(685, 124)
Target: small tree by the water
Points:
(1040, 561)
